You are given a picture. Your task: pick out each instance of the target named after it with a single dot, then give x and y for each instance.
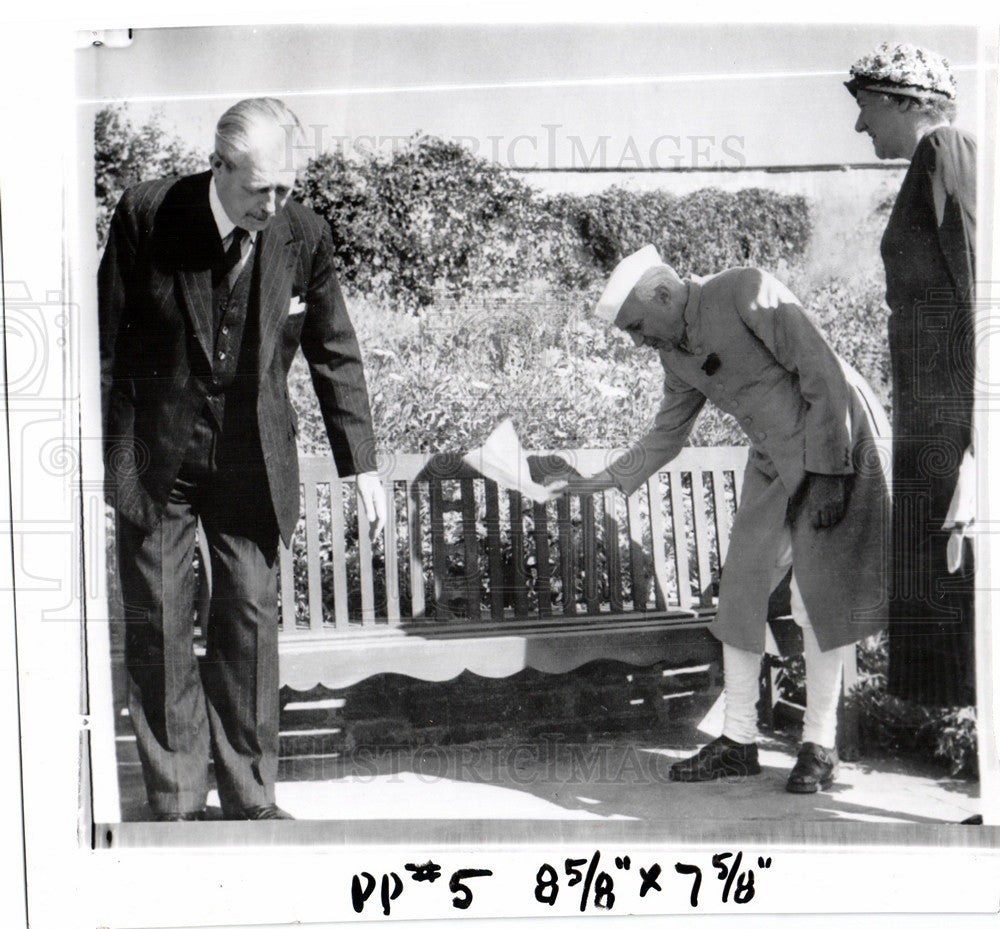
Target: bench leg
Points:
(765, 705)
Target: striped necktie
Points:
(239, 238)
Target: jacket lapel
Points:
(197, 247)
(275, 264)
(196, 292)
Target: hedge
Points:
(431, 219)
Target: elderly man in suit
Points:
(208, 285)
(814, 494)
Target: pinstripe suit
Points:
(165, 469)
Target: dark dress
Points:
(930, 270)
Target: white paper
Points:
(502, 459)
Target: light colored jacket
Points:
(803, 410)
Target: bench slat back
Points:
(458, 549)
(613, 552)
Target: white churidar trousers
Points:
(823, 676)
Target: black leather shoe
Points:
(192, 816)
(815, 769)
(720, 758)
(254, 813)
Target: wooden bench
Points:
(469, 577)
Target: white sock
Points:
(742, 690)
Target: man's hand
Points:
(372, 495)
(560, 477)
(826, 500)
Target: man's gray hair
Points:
(659, 275)
(235, 131)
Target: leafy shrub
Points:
(431, 219)
(700, 233)
(945, 734)
(615, 222)
(441, 382)
(854, 317)
(125, 154)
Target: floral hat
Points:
(903, 69)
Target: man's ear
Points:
(215, 162)
(662, 295)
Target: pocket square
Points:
(296, 306)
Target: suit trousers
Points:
(225, 709)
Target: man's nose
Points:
(637, 338)
(860, 126)
(269, 203)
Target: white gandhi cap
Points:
(624, 277)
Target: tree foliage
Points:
(125, 154)
(430, 219)
(700, 233)
(427, 219)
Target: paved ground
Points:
(621, 779)
(616, 780)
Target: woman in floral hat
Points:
(907, 100)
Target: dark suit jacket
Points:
(155, 303)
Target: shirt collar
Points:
(690, 342)
(693, 300)
(222, 221)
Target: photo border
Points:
(50, 680)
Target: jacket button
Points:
(221, 356)
(761, 435)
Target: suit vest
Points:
(234, 353)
